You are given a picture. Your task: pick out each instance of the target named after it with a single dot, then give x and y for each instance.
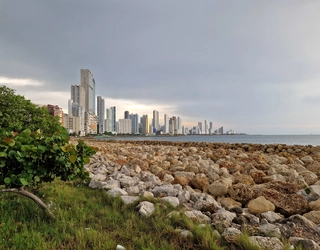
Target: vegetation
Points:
(90, 219)
(18, 114)
(35, 148)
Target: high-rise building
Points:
(200, 127)
(174, 124)
(210, 125)
(89, 85)
(78, 95)
(134, 123)
(179, 125)
(126, 114)
(124, 126)
(155, 121)
(206, 128)
(108, 121)
(113, 119)
(166, 124)
(55, 110)
(220, 130)
(101, 114)
(144, 120)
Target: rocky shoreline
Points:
(271, 191)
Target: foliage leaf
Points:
(7, 180)
(72, 158)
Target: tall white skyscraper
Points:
(206, 128)
(200, 127)
(166, 124)
(89, 85)
(179, 125)
(108, 121)
(124, 126)
(78, 95)
(101, 114)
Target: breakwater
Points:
(272, 191)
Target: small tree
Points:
(17, 114)
(31, 156)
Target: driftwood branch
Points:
(31, 196)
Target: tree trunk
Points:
(31, 196)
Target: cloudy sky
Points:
(251, 66)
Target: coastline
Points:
(263, 188)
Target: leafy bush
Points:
(29, 158)
(18, 114)
(35, 148)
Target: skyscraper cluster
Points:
(83, 118)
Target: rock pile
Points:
(272, 191)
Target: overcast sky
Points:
(251, 66)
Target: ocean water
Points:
(313, 140)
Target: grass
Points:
(90, 219)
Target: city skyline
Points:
(251, 66)
(88, 114)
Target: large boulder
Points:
(260, 205)
(313, 216)
(200, 182)
(315, 205)
(287, 204)
(220, 187)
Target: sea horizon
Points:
(303, 139)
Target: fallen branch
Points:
(31, 196)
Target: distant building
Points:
(101, 114)
(206, 129)
(113, 118)
(166, 124)
(144, 120)
(73, 125)
(134, 123)
(55, 110)
(124, 126)
(126, 114)
(219, 131)
(88, 83)
(155, 121)
(200, 127)
(179, 125)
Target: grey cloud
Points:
(234, 61)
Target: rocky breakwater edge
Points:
(271, 191)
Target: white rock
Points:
(129, 199)
(168, 178)
(266, 243)
(307, 159)
(146, 208)
(174, 201)
(117, 192)
(119, 247)
(198, 215)
(111, 184)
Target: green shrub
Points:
(29, 158)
